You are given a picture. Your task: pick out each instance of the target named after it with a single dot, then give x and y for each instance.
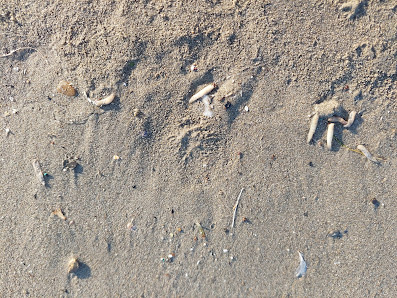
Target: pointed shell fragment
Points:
(66, 88)
(73, 265)
(313, 126)
(367, 153)
(302, 268)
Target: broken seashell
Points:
(73, 265)
(313, 126)
(302, 268)
(367, 154)
(107, 100)
(350, 121)
(58, 212)
(66, 88)
(330, 135)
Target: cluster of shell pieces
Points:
(331, 110)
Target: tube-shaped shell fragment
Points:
(335, 119)
(313, 126)
(330, 135)
(202, 92)
(107, 100)
(350, 121)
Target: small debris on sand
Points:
(302, 268)
(66, 88)
(73, 265)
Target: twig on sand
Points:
(16, 50)
(236, 206)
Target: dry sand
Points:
(131, 222)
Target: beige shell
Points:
(73, 265)
(66, 88)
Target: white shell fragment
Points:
(202, 92)
(350, 121)
(301, 270)
(38, 172)
(107, 100)
(367, 154)
(207, 108)
(313, 126)
(330, 135)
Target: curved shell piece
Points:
(107, 100)
(66, 88)
(350, 121)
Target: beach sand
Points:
(136, 179)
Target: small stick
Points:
(16, 50)
(236, 206)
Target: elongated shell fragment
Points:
(107, 100)
(38, 172)
(302, 268)
(336, 119)
(350, 121)
(313, 126)
(202, 92)
(330, 135)
(367, 154)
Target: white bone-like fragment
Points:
(313, 126)
(350, 121)
(107, 100)
(330, 135)
(202, 92)
(367, 154)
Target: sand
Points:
(135, 177)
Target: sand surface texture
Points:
(139, 194)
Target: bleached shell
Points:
(202, 92)
(107, 100)
(330, 135)
(313, 126)
(350, 121)
(367, 153)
